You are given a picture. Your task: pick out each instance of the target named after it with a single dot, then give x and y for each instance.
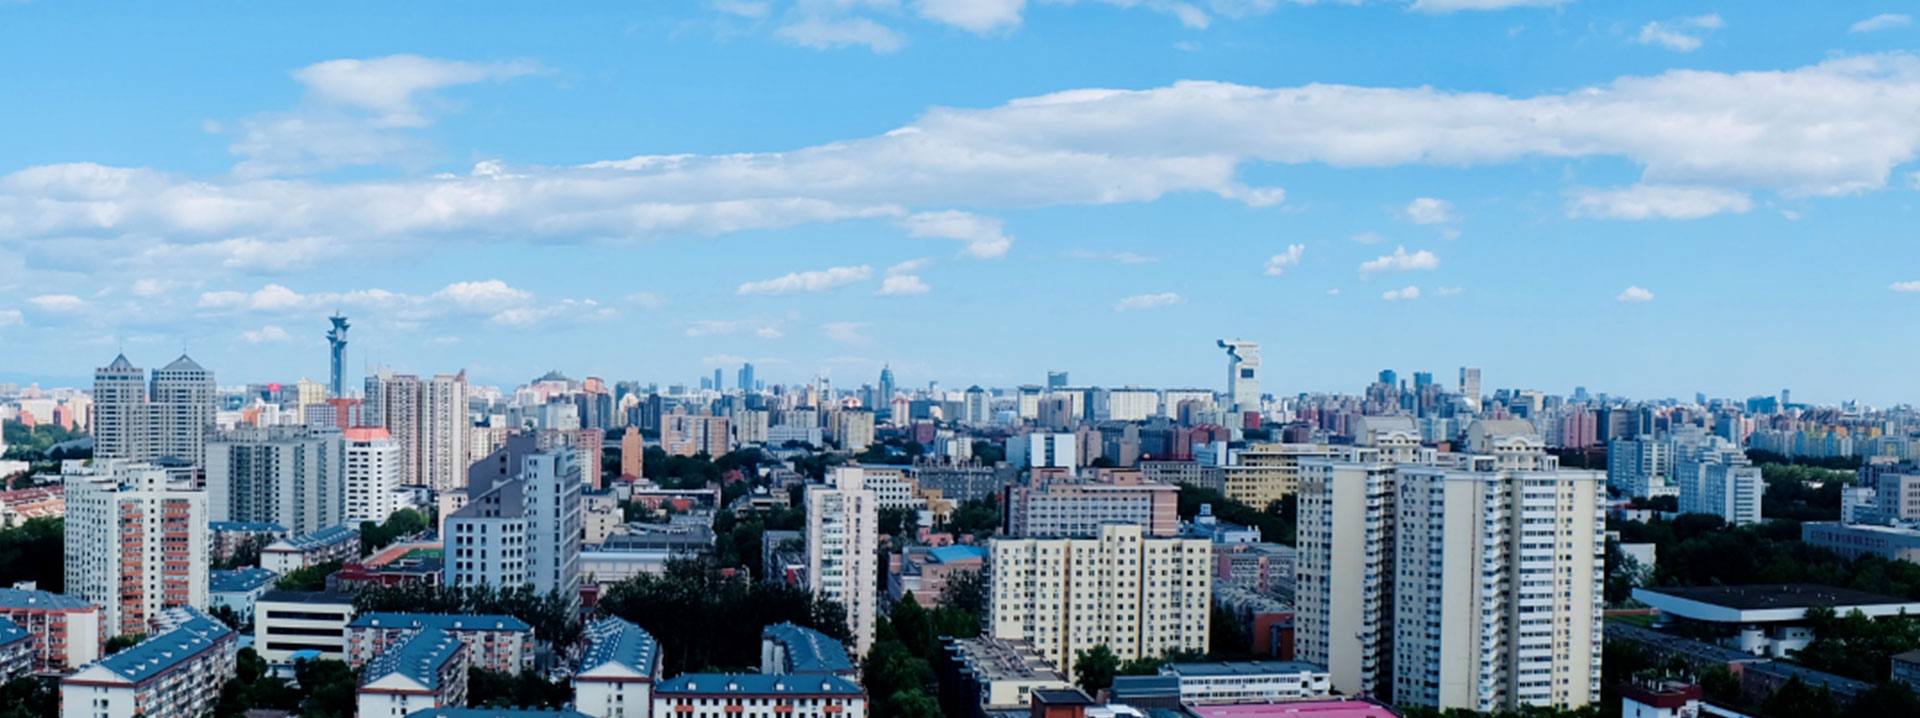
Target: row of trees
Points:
(400, 524)
(551, 614)
(707, 620)
(35, 551)
(1701, 550)
(1803, 493)
(1276, 523)
(319, 689)
(899, 672)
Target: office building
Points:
(286, 623)
(176, 673)
(522, 528)
(1243, 375)
(1852, 541)
(1137, 595)
(1717, 479)
(373, 474)
(842, 535)
(238, 590)
(1229, 682)
(1131, 404)
(66, 630)
(616, 674)
(1470, 386)
(428, 671)
(285, 475)
(733, 695)
(134, 545)
(495, 643)
(1043, 451)
(977, 407)
(167, 418)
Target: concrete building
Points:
(853, 429)
(1264, 473)
(787, 649)
(1138, 595)
(1470, 386)
(842, 536)
(428, 671)
(289, 622)
(1766, 619)
(1636, 467)
(633, 453)
(67, 631)
(177, 673)
(1045, 508)
(238, 590)
(373, 474)
(334, 543)
(497, 643)
(1243, 375)
(1131, 404)
(616, 674)
(683, 434)
(976, 407)
(987, 675)
(1043, 451)
(1852, 541)
(1344, 568)
(134, 545)
(287, 475)
(732, 695)
(1717, 479)
(167, 418)
(925, 571)
(19, 654)
(519, 531)
(428, 419)
(1248, 681)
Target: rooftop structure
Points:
(1302, 709)
(789, 649)
(620, 666)
(239, 579)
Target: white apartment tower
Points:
(1716, 478)
(139, 421)
(520, 530)
(1137, 595)
(286, 475)
(134, 545)
(428, 420)
(372, 474)
(1343, 571)
(1243, 375)
(842, 536)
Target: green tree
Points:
(122, 642)
(34, 551)
(913, 704)
(527, 689)
(1795, 699)
(30, 697)
(308, 578)
(329, 687)
(1095, 668)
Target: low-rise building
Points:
(733, 695)
(66, 630)
(406, 564)
(1249, 681)
(1766, 619)
(238, 589)
(789, 649)
(1855, 540)
(334, 543)
(924, 571)
(1905, 669)
(616, 675)
(175, 674)
(610, 567)
(978, 675)
(1264, 568)
(498, 643)
(230, 536)
(288, 622)
(429, 670)
(18, 651)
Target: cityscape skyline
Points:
(1550, 251)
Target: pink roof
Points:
(366, 433)
(1300, 709)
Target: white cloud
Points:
(848, 332)
(1333, 292)
(1882, 21)
(489, 295)
(725, 327)
(1656, 202)
(495, 300)
(1121, 257)
(1147, 301)
(1394, 295)
(1278, 264)
(977, 16)
(816, 281)
(58, 302)
(1447, 291)
(152, 287)
(9, 317)
(565, 310)
(1634, 294)
(1400, 260)
(910, 266)
(268, 333)
(1913, 286)
(983, 235)
(822, 33)
(900, 285)
(768, 332)
(1427, 210)
(1447, 6)
(1681, 34)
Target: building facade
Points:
(285, 475)
(519, 531)
(134, 545)
(373, 473)
(616, 675)
(141, 421)
(498, 643)
(428, 671)
(67, 630)
(842, 536)
(177, 673)
(729, 695)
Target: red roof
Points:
(367, 433)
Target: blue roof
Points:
(420, 658)
(950, 554)
(808, 650)
(615, 640)
(324, 537)
(11, 632)
(495, 713)
(155, 655)
(239, 579)
(441, 621)
(15, 598)
(245, 526)
(755, 684)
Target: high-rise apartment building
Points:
(842, 535)
(684, 434)
(372, 474)
(142, 421)
(977, 408)
(520, 529)
(1137, 595)
(286, 475)
(428, 419)
(1243, 375)
(1049, 509)
(1639, 467)
(853, 428)
(134, 545)
(1464, 580)
(633, 448)
(1716, 478)
(1043, 451)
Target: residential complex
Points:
(373, 473)
(842, 535)
(616, 675)
(141, 421)
(285, 475)
(519, 531)
(135, 544)
(175, 673)
(499, 643)
(428, 670)
(734, 695)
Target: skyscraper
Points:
(119, 411)
(429, 421)
(1056, 380)
(291, 476)
(885, 393)
(717, 386)
(746, 377)
(842, 532)
(134, 545)
(337, 346)
(372, 474)
(1470, 385)
(1243, 375)
(167, 418)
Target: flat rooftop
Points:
(1243, 668)
(1767, 602)
(1297, 709)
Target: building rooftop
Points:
(615, 640)
(239, 579)
(23, 599)
(324, 537)
(196, 632)
(994, 659)
(495, 713)
(419, 659)
(1243, 668)
(276, 595)
(756, 684)
(1298, 709)
(1125, 687)
(11, 632)
(440, 621)
(808, 650)
(1908, 657)
(956, 553)
(1701, 602)
(245, 526)
(1062, 697)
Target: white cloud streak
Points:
(1913, 286)
(1882, 21)
(1682, 34)
(1147, 301)
(815, 281)
(983, 236)
(1634, 295)
(1400, 261)
(268, 333)
(901, 285)
(1656, 202)
(1279, 263)
(1403, 294)
(1427, 210)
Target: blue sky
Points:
(1649, 198)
